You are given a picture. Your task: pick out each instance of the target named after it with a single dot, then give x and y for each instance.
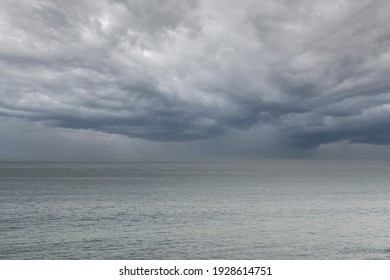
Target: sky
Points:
(136, 79)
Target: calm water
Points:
(186, 210)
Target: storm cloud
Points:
(312, 72)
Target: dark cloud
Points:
(312, 72)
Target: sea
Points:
(241, 209)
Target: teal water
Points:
(271, 209)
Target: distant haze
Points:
(171, 79)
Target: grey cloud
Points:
(315, 71)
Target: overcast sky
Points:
(148, 79)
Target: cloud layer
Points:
(315, 72)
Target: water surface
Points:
(271, 209)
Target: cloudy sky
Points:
(148, 79)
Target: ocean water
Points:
(271, 209)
